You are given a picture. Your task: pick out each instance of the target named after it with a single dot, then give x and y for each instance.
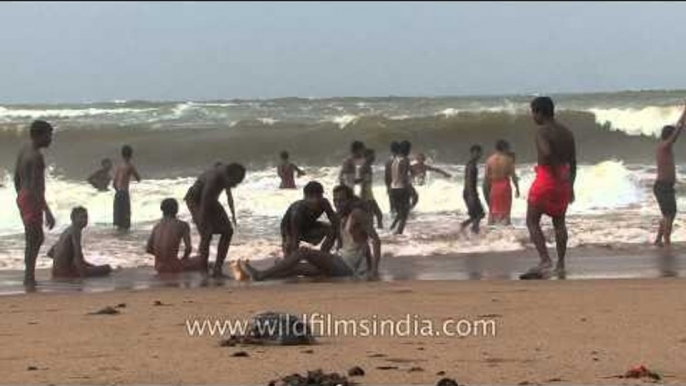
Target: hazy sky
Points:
(54, 52)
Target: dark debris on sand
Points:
(274, 328)
(313, 378)
(356, 371)
(240, 354)
(121, 305)
(447, 382)
(106, 311)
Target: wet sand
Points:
(575, 331)
(549, 332)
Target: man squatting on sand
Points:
(358, 256)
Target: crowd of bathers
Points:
(348, 244)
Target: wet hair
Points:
(357, 146)
(313, 188)
(369, 153)
(421, 156)
(395, 147)
(475, 148)
(544, 106)
(105, 162)
(39, 127)
(502, 145)
(77, 211)
(284, 155)
(405, 148)
(346, 189)
(169, 207)
(127, 151)
(236, 170)
(667, 131)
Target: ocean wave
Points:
(647, 121)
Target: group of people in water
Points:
(351, 219)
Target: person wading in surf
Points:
(500, 169)
(666, 179)
(553, 189)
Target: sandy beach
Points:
(573, 332)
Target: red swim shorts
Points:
(30, 208)
(551, 190)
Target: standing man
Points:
(122, 179)
(666, 178)
(500, 169)
(209, 215)
(401, 187)
(352, 167)
(553, 189)
(470, 193)
(29, 182)
(395, 150)
(287, 170)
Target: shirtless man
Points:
(209, 215)
(666, 179)
(122, 179)
(401, 187)
(358, 257)
(553, 189)
(165, 240)
(419, 169)
(29, 182)
(500, 169)
(388, 177)
(300, 223)
(367, 181)
(287, 171)
(470, 192)
(67, 254)
(350, 171)
(101, 178)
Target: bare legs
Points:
(34, 240)
(664, 233)
(315, 263)
(222, 250)
(533, 222)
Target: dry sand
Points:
(579, 332)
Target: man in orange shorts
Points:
(553, 189)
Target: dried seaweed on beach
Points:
(106, 311)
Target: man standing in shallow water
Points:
(29, 182)
(666, 179)
(553, 189)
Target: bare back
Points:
(555, 144)
(123, 174)
(166, 238)
(665, 162)
(499, 166)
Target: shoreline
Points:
(630, 261)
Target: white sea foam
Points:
(648, 120)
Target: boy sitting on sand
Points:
(67, 253)
(165, 240)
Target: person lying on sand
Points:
(67, 253)
(300, 222)
(358, 257)
(101, 178)
(165, 240)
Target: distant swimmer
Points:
(470, 193)
(367, 191)
(419, 169)
(350, 171)
(287, 170)
(666, 179)
(301, 221)
(553, 189)
(500, 170)
(122, 179)
(67, 254)
(209, 215)
(166, 238)
(401, 187)
(29, 182)
(101, 178)
(357, 258)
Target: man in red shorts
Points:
(29, 182)
(553, 188)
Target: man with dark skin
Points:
(29, 183)
(287, 170)
(470, 193)
(395, 150)
(666, 179)
(67, 254)
(358, 257)
(350, 171)
(401, 187)
(101, 178)
(123, 174)
(420, 168)
(500, 170)
(209, 215)
(300, 223)
(553, 189)
(165, 240)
